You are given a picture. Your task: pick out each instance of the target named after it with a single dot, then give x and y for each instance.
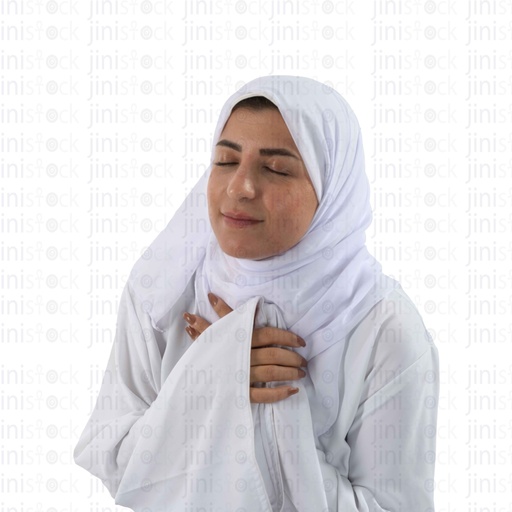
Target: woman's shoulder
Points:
(391, 337)
(397, 311)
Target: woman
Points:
(318, 391)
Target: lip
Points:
(239, 219)
(239, 216)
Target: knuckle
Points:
(200, 323)
(272, 353)
(256, 338)
(271, 373)
(262, 335)
(265, 331)
(272, 335)
(282, 336)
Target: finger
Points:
(270, 395)
(273, 336)
(276, 355)
(199, 324)
(220, 307)
(273, 373)
(192, 332)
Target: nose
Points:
(242, 184)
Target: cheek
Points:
(292, 210)
(211, 195)
(308, 203)
(304, 201)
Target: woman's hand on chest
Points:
(270, 360)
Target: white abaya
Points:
(174, 430)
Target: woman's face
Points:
(260, 198)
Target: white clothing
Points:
(172, 429)
(328, 280)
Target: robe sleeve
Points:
(187, 442)
(392, 445)
(392, 441)
(129, 387)
(383, 461)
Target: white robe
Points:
(173, 429)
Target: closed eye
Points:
(276, 172)
(269, 169)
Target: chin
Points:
(243, 253)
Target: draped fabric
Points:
(181, 434)
(325, 283)
(172, 429)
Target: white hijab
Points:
(325, 284)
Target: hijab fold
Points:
(324, 285)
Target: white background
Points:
(107, 110)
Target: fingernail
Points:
(189, 318)
(192, 332)
(301, 342)
(293, 391)
(304, 362)
(213, 299)
(302, 374)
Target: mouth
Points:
(239, 219)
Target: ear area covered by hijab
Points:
(325, 284)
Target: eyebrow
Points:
(263, 151)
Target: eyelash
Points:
(276, 172)
(224, 164)
(221, 164)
